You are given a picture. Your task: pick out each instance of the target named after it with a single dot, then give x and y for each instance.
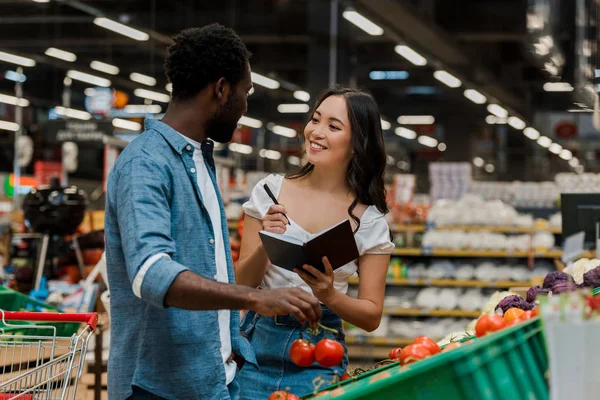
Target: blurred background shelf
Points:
(408, 252)
(414, 312)
(450, 283)
(476, 228)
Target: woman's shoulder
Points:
(371, 215)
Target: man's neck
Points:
(186, 120)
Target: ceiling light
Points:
(555, 148)
(447, 79)
(61, 54)
(104, 67)
(411, 55)
(149, 94)
(416, 119)
(294, 160)
(363, 23)
(405, 133)
(41, 1)
(264, 81)
(87, 78)
(579, 169)
(251, 91)
(9, 126)
(89, 92)
(270, 154)
(385, 125)
(293, 108)
(573, 162)
(15, 76)
(125, 124)
(580, 110)
(489, 168)
(478, 161)
(558, 87)
(240, 148)
(516, 123)
(388, 75)
(122, 29)
(531, 133)
(544, 141)
(143, 79)
(143, 109)
(301, 95)
(390, 160)
(497, 110)
(71, 113)
(169, 87)
(284, 131)
(490, 119)
(442, 147)
(251, 122)
(14, 59)
(566, 154)
(427, 141)
(475, 96)
(6, 99)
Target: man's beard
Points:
(222, 125)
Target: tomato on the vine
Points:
(329, 353)
(412, 353)
(428, 343)
(302, 353)
(488, 324)
(395, 354)
(283, 395)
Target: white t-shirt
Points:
(211, 202)
(372, 237)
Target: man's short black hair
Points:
(200, 56)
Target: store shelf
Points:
(371, 353)
(377, 341)
(410, 312)
(233, 224)
(407, 252)
(477, 228)
(450, 283)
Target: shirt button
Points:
(188, 147)
(211, 241)
(215, 277)
(193, 170)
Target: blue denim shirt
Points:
(154, 205)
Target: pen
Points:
(274, 200)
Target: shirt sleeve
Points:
(373, 236)
(259, 202)
(144, 219)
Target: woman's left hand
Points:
(320, 283)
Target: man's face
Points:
(224, 122)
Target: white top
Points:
(372, 237)
(211, 202)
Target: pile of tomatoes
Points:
(422, 347)
(513, 316)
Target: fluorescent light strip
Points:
(264, 81)
(558, 87)
(478, 162)
(149, 94)
(125, 124)
(270, 154)
(555, 148)
(489, 168)
(416, 119)
(544, 141)
(9, 126)
(531, 133)
(293, 108)
(516, 123)
(475, 96)
(442, 147)
(363, 23)
(405, 133)
(15, 76)
(122, 29)
(251, 122)
(169, 87)
(143, 79)
(143, 109)
(566, 154)
(240, 148)
(14, 59)
(579, 110)
(104, 67)
(573, 162)
(411, 55)
(301, 95)
(294, 160)
(497, 110)
(72, 113)
(61, 54)
(385, 125)
(6, 99)
(87, 78)
(284, 131)
(427, 141)
(447, 79)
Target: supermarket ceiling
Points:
(485, 43)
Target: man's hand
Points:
(296, 302)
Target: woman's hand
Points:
(320, 283)
(274, 221)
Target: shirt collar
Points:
(177, 140)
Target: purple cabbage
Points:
(592, 278)
(561, 287)
(535, 291)
(514, 302)
(557, 276)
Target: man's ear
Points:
(222, 90)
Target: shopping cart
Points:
(35, 367)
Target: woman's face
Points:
(328, 135)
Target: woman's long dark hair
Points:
(368, 163)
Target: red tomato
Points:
(488, 324)
(535, 312)
(345, 376)
(329, 353)
(428, 343)
(412, 353)
(302, 353)
(526, 315)
(512, 313)
(395, 354)
(283, 395)
(451, 346)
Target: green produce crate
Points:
(508, 365)
(11, 300)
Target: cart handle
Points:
(91, 319)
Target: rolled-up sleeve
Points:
(144, 218)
